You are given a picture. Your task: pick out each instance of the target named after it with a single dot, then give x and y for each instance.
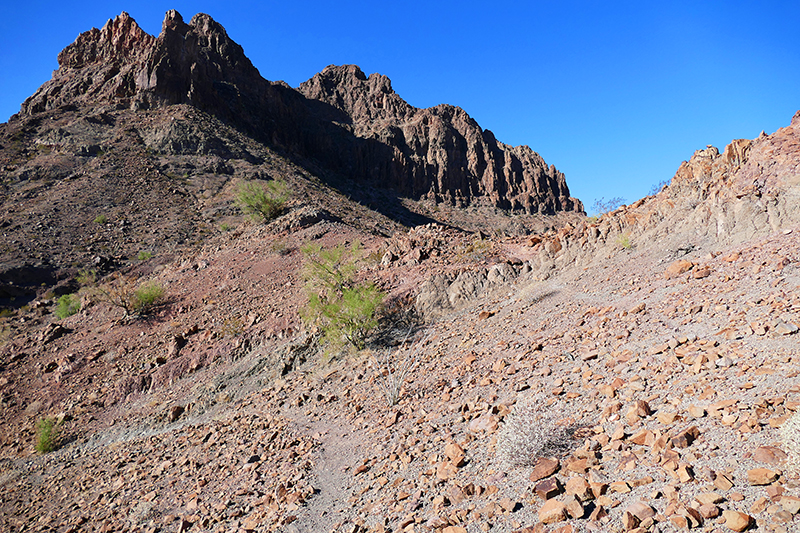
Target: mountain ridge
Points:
(454, 161)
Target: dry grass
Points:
(532, 431)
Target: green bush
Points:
(135, 301)
(68, 305)
(144, 256)
(262, 201)
(46, 435)
(624, 240)
(101, 219)
(344, 309)
(146, 297)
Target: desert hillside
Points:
(531, 370)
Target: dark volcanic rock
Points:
(440, 151)
(354, 126)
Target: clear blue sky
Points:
(614, 94)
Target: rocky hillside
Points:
(630, 373)
(354, 127)
(641, 389)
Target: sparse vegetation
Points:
(262, 201)
(280, 247)
(477, 250)
(344, 309)
(624, 240)
(47, 430)
(134, 300)
(601, 207)
(393, 371)
(68, 305)
(225, 227)
(658, 187)
(529, 432)
(144, 256)
(101, 219)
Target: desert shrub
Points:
(134, 300)
(47, 430)
(343, 308)
(262, 201)
(624, 240)
(280, 247)
(101, 219)
(144, 256)
(658, 187)
(603, 206)
(790, 435)
(87, 277)
(394, 369)
(68, 305)
(529, 432)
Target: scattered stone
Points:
(548, 488)
(761, 476)
(769, 454)
(544, 467)
(552, 511)
(677, 268)
(736, 520)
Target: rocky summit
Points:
(530, 369)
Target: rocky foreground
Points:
(641, 389)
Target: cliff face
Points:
(440, 151)
(350, 124)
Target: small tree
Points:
(262, 201)
(342, 307)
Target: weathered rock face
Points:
(355, 126)
(440, 151)
(752, 188)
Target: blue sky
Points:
(614, 94)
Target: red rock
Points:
(769, 454)
(544, 467)
(548, 488)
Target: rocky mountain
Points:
(632, 373)
(354, 126)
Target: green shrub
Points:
(101, 219)
(47, 430)
(144, 256)
(135, 301)
(68, 305)
(624, 240)
(262, 201)
(344, 309)
(146, 297)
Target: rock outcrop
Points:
(752, 188)
(341, 120)
(440, 151)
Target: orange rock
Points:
(677, 268)
(552, 511)
(761, 476)
(736, 521)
